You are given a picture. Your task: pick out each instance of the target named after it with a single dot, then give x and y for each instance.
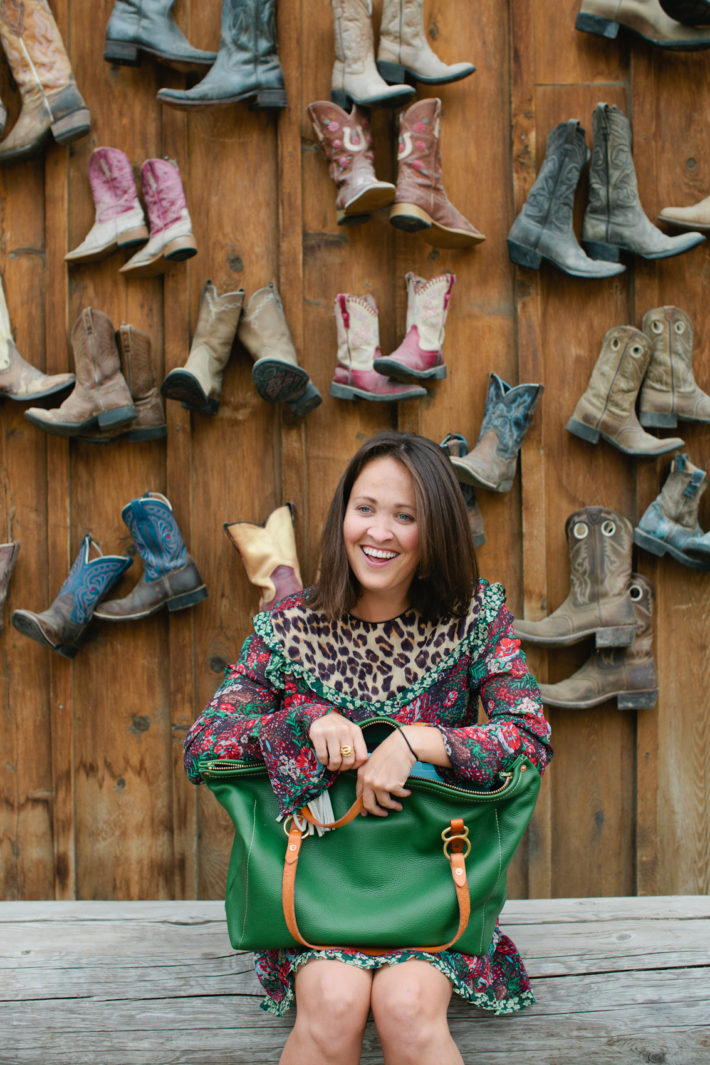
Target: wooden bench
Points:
(618, 982)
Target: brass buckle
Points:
(448, 838)
(302, 828)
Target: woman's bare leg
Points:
(332, 1006)
(409, 1005)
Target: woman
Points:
(398, 624)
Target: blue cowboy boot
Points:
(670, 523)
(509, 412)
(61, 625)
(148, 26)
(170, 575)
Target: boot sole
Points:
(360, 209)
(704, 227)
(127, 54)
(604, 27)
(30, 627)
(185, 388)
(521, 255)
(175, 251)
(396, 74)
(278, 382)
(176, 602)
(610, 252)
(259, 100)
(639, 700)
(350, 392)
(411, 218)
(591, 435)
(345, 101)
(113, 419)
(400, 372)
(659, 548)
(71, 127)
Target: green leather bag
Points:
(375, 883)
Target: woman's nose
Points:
(380, 530)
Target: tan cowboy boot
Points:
(355, 77)
(269, 555)
(645, 18)
(149, 422)
(18, 379)
(669, 390)
(403, 51)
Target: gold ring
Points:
(346, 750)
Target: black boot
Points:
(247, 65)
(148, 26)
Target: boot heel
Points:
(130, 237)
(305, 403)
(649, 543)
(179, 602)
(392, 73)
(266, 99)
(523, 256)
(180, 248)
(72, 126)
(597, 249)
(637, 700)
(655, 420)
(615, 636)
(343, 391)
(67, 650)
(602, 27)
(584, 432)
(409, 217)
(121, 52)
(116, 418)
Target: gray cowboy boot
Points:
(455, 445)
(627, 674)
(8, 558)
(543, 229)
(670, 524)
(669, 390)
(61, 625)
(600, 542)
(148, 26)
(170, 577)
(614, 220)
(509, 412)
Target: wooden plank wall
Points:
(93, 800)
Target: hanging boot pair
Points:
(614, 220)
(51, 103)
(403, 54)
(670, 524)
(269, 555)
(508, 415)
(656, 21)
(18, 379)
(170, 578)
(264, 332)
(362, 373)
(419, 199)
(655, 361)
(103, 405)
(120, 222)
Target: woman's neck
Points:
(377, 608)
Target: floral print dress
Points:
(298, 665)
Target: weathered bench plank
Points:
(618, 982)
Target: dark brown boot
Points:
(8, 557)
(101, 397)
(149, 423)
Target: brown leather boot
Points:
(149, 423)
(8, 558)
(101, 397)
(669, 391)
(268, 552)
(51, 102)
(607, 407)
(18, 379)
(421, 202)
(600, 542)
(627, 674)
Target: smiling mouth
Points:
(378, 555)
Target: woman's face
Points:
(381, 534)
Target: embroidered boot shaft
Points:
(171, 237)
(358, 332)
(61, 625)
(607, 407)
(347, 145)
(269, 555)
(18, 379)
(247, 65)
(543, 229)
(147, 27)
(455, 445)
(669, 390)
(644, 18)
(277, 377)
(170, 577)
(627, 674)
(419, 356)
(509, 412)
(51, 103)
(421, 202)
(101, 397)
(670, 524)
(120, 222)
(600, 543)
(8, 558)
(614, 220)
(355, 78)
(403, 51)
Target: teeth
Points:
(374, 552)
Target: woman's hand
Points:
(381, 779)
(338, 742)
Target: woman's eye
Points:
(363, 508)
(406, 517)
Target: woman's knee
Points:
(332, 1005)
(410, 1005)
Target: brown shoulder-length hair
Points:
(448, 571)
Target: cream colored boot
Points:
(18, 379)
(355, 77)
(404, 51)
(269, 555)
(696, 216)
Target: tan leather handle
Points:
(457, 863)
(352, 813)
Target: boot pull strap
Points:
(691, 489)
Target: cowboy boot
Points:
(198, 384)
(669, 390)
(543, 229)
(403, 51)
(670, 524)
(508, 415)
(607, 407)
(148, 26)
(420, 201)
(18, 379)
(170, 577)
(51, 102)
(419, 355)
(171, 237)
(455, 445)
(614, 220)
(268, 552)
(600, 544)
(120, 222)
(645, 18)
(358, 333)
(695, 217)
(627, 674)
(149, 422)
(347, 145)
(101, 396)
(247, 65)
(689, 12)
(355, 79)
(61, 625)
(277, 377)
(8, 558)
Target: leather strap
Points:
(352, 813)
(457, 863)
